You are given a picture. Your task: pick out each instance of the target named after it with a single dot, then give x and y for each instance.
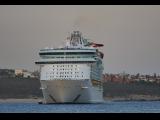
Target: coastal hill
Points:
(17, 87)
(131, 91)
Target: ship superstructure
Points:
(73, 73)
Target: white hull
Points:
(70, 91)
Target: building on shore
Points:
(24, 73)
(127, 78)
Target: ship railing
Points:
(68, 59)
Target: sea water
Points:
(107, 107)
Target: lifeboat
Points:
(96, 44)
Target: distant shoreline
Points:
(134, 98)
(15, 100)
(114, 99)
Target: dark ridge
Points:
(20, 88)
(30, 88)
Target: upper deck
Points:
(67, 51)
(76, 49)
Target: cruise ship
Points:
(72, 73)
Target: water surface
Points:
(107, 107)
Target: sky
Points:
(130, 34)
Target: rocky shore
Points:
(14, 100)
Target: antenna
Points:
(76, 39)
